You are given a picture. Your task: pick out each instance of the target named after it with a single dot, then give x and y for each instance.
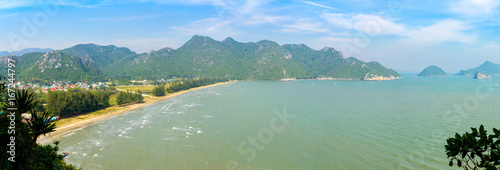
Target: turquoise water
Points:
(293, 125)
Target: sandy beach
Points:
(80, 121)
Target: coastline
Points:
(81, 121)
(376, 78)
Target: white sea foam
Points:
(170, 139)
(180, 129)
(207, 116)
(199, 131)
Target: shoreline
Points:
(80, 122)
(345, 79)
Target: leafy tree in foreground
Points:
(28, 154)
(25, 100)
(475, 150)
(39, 125)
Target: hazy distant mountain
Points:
(199, 57)
(432, 71)
(24, 51)
(487, 68)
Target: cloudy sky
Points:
(405, 35)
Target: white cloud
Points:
(125, 18)
(214, 27)
(8, 15)
(369, 24)
(372, 25)
(257, 19)
(319, 5)
(443, 31)
(334, 41)
(303, 25)
(7, 4)
(10, 4)
(475, 7)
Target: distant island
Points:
(479, 75)
(486, 68)
(201, 56)
(432, 71)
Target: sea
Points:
(304, 124)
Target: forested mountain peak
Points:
(103, 55)
(230, 40)
(201, 56)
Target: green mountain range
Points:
(199, 57)
(487, 68)
(432, 71)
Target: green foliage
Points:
(129, 97)
(64, 103)
(28, 154)
(124, 82)
(140, 98)
(475, 150)
(159, 90)
(179, 86)
(46, 157)
(39, 124)
(25, 100)
(199, 57)
(56, 65)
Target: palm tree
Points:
(39, 125)
(25, 101)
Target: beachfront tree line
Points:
(160, 89)
(129, 97)
(18, 135)
(184, 85)
(66, 103)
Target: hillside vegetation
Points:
(199, 57)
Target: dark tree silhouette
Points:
(40, 125)
(474, 150)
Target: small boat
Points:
(65, 154)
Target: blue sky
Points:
(404, 35)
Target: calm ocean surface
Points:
(293, 125)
